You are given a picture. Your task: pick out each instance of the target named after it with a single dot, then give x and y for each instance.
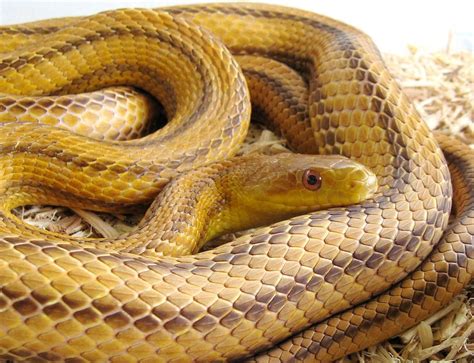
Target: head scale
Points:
(288, 184)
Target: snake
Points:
(313, 287)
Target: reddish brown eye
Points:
(311, 179)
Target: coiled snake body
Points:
(67, 299)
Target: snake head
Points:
(284, 185)
(256, 190)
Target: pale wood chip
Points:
(105, 229)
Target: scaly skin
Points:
(62, 300)
(118, 113)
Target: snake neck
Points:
(193, 209)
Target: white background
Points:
(392, 24)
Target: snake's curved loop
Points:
(443, 275)
(447, 270)
(63, 300)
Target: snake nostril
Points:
(353, 185)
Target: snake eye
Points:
(311, 179)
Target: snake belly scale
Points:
(68, 299)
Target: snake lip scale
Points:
(313, 287)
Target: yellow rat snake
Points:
(300, 289)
